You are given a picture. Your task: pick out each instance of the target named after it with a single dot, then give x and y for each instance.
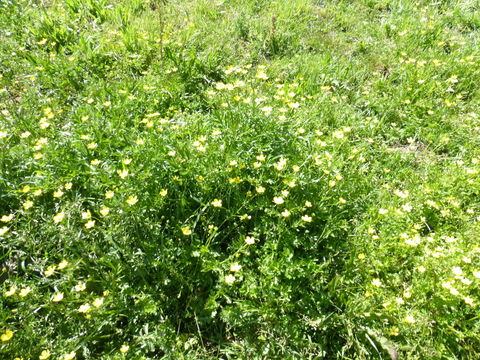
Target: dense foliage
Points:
(239, 179)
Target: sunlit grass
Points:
(254, 179)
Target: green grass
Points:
(250, 179)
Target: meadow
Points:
(239, 179)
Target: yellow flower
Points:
(86, 215)
(92, 146)
(7, 335)
(90, 224)
(58, 194)
(69, 356)
(62, 265)
(68, 186)
(235, 267)
(260, 189)
(285, 213)
(6, 218)
(307, 218)
(3, 230)
(11, 292)
(132, 200)
(229, 279)
(27, 204)
(25, 291)
(59, 217)
(250, 240)
(80, 287)
(58, 297)
(376, 282)
(468, 300)
(122, 173)
(104, 211)
(98, 302)
(163, 192)
(45, 355)
(49, 271)
(278, 200)
(217, 203)
(186, 230)
(109, 194)
(124, 348)
(85, 308)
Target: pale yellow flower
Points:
(90, 224)
(307, 218)
(229, 279)
(6, 218)
(163, 192)
(6, 336)
(25, 291)
(11, 292)
(59, 217)
(217, 203)
(98, 302)
(260, 189)
(62, 265)
(122, 173)
(235, 267)
(109, 194)
(45, 355)
(80, 287)
(250, 240)
(132, 200)
(278, 200)
(468, 300)
(186, 230)
(85, 308)
(57, 297)
(69, 356)
(124, 348)
(27, 204)
(49, 271)
(104, 211)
